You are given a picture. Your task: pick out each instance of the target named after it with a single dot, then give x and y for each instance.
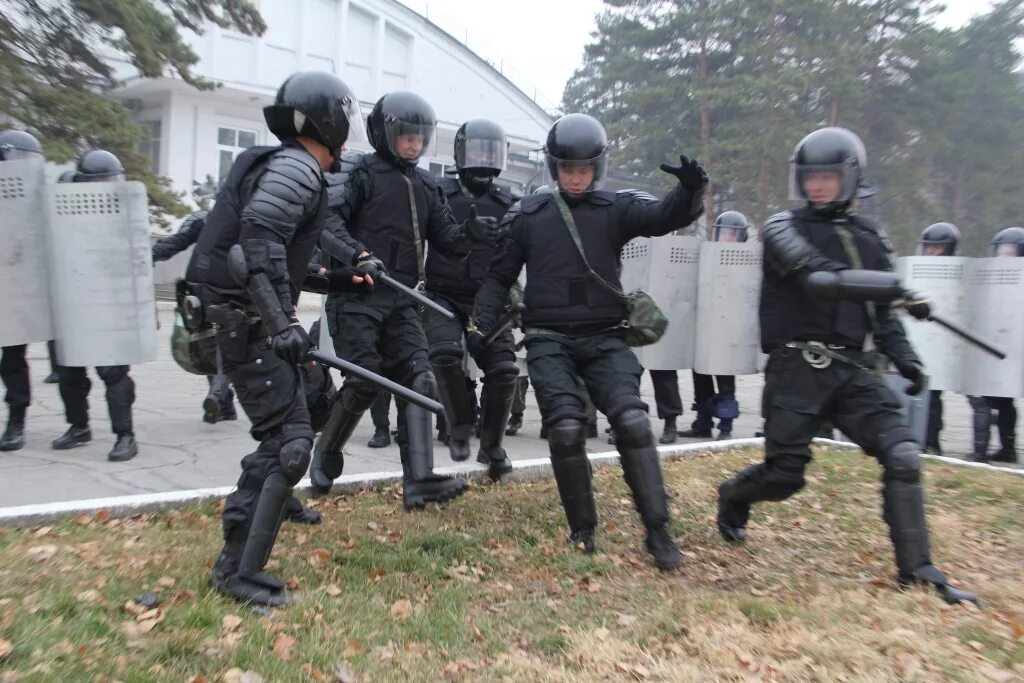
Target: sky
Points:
(539, 43)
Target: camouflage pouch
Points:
(185, 349)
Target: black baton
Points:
(383, 382)
(506, 319)
(413, 294)
(967, 336)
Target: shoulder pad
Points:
(870, 225)
(449, 186)
(287, 189)
(336, 178)
(532, 203)
(602, 197)
(512, 213)
(637, 195)
(295, 165)
(780, 217)
(502, 195)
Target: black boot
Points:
(297, 513)
(701, 427)
(381, 438)
(573, 474)
(591, 430)
(928, 575)
(52, 378)
(641, 467)
(669, 434)
(454, 394)
(734, 498)
(515, 423)
(124, 449)
(420, 485)
(982, 423)
(328, 456)
(251, 583)
(75, 436)
(261, 588)
(496, 401)
(1008, 449)
(14, 436)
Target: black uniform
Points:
(453, 282)
(709, 404)
(379, 329)
(572, 326)
(804, 387)
(14, 373)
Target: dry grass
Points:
(486, 589)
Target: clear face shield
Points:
(100, 178)
(408, 141)
(576, 177)
(349, 108)
(727, 233)
(1005, 249)
(935, 248)
(823, 183)
(483, 153)
(12, 153)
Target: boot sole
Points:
(12, 447)
(420, 501)
(75, 444)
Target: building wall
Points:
(376, 46)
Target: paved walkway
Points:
(179, 451)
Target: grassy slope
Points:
(486, 589)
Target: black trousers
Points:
(666, 393)
(74, 391)
(14, 373)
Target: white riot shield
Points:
(995, 312)
(943, 281)
(101, 273)
(666, 268)
(24, 266)
(728, 327)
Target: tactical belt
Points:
(820, 355)
(578, 333)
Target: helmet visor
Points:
(823, 183)
(1005, 249)
(727, 233)
(99, 178)
(483, 153)
(408, 141)
(935, 248)
(570, 174)
(12, 153)
(349, 107)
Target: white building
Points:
(376, 46)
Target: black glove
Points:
(917, 306)
(484, 229)
(291, 344)
(475, 342)
(689, 173)
(369, 265)
(915, 374)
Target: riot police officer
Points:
(480, 152)
(98, 166)
(16, 145)
(387, 211)
(730, 226)
(938, 239)
(827, 286)
(246, 269)
(1007, 243)
(574, 317)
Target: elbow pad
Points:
(879, 286)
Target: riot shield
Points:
(995, 312)
(729, 291)
(942, 280)
(666, 268)
(101, 273)
(25, 309)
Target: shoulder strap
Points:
(415, 230)
(563, 208)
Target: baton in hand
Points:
(398, 390)
(967, 336)
(506, 319)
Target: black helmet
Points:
(731, 226)
(830, 150)
(944, 235)
(577, 140)
(480, 153)
(317, 105)
(397, 114)
(17, 144)
(67, 177)
(1008, 242)
(98, 166)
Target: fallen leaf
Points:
(377, 574)
(401, 609)
(90, 597)
(200, 678)
(231, 622)
(343, 674)
(102, 515)
(165, 582)
(352, 648)
(319, 555)
(42, 553)
(283, 646)
(625, 619)
(602, 634)
(639, 671)
(334, 590)
(6, 647)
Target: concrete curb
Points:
(524, 470)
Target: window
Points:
(149, 144)
(437, 169)
(230, 143)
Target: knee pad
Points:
(112, 374)
(357, 396)
(504, 372)
(633, 428)
(903, 462)
(296, 444)
(566, 434)
(446, 353)
(785, 477)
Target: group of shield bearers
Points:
(93, 166)
(828, 288)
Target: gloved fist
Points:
(475, 342)
(483, 229)
(291, 344)
(917, 306)
(915, 374)
(689, 173)
(369, 265)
